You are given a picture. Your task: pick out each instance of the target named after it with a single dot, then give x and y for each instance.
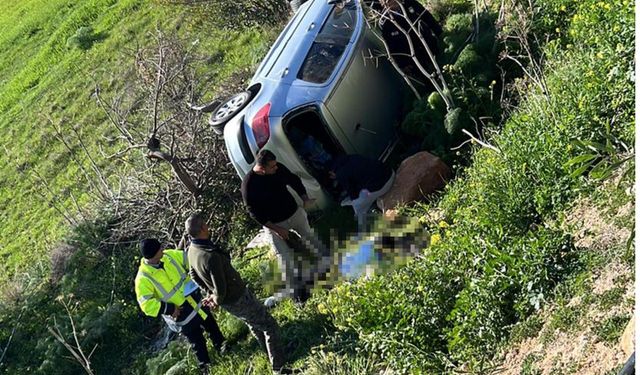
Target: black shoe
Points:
(301, 295)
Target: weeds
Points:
(611, 328)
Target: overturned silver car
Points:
(319, 92)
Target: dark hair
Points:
(149, 247)
(264, 157)
(194, 223)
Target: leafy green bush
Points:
(455, 121)
(469, 65)
(443, 9)
(456, 31)
(502, 252)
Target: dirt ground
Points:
(580, 351)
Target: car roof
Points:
(294, 42)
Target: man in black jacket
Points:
(269, 202)
(211, 269)
(396, 25)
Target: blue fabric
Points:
(189, 287)
(354, 264)
(313, 151)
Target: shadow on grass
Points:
(300, 335)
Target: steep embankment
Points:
(50, 66)
(504, 248)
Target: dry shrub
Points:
(60, 256)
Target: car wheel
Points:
(228, 109)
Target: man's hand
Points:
(210, 302)
(176, 312)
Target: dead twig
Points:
(75, 350)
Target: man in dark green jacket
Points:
(211, 269)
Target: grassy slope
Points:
(505, 249)
(42, 79)
(400, 318)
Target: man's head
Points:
(196, 226)
(266, 162)
(150, 250)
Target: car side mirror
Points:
(333, 2)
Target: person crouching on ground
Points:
(211, 269)
(163, 287)
(363, 180)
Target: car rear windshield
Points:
(330, 44)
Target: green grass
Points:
(526, 329)
(611, 328)
(529, 365)
(46, 83)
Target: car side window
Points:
(330, 44)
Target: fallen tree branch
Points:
(481, 143)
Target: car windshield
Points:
(330, 44)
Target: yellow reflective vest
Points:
(166, 284)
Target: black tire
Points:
(208, 108)
(229, 108)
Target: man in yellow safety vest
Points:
(163, 287)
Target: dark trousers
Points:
(261, 324)
(194, 330)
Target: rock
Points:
(626, 341)
(261, 239)
(418, 176)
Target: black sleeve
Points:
(167, 308)
(345, 181)
(425, 16)
(253, 207)
(353, 190)
(292, 180)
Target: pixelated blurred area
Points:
(390, 241)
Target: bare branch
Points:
(481, 143)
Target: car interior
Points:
(315, 147)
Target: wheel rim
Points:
(231, 106)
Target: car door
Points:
(367, 96)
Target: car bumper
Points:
(241, 154)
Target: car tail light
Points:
(260, 125)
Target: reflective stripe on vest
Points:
(166, 296)
(177, 326)
(145, 298)
(191, 316)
